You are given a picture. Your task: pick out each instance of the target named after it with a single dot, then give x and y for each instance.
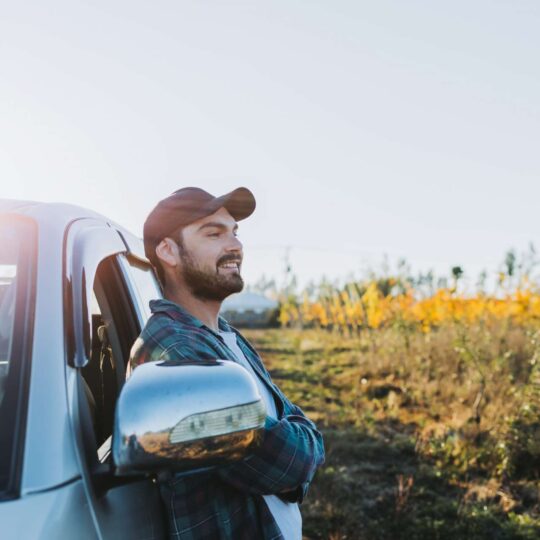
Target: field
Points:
(430, 412)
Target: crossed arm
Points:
(284, 463)
(291, 448)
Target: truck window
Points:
(8, 288)
(114, 328)
(145, 286)
(17, 291)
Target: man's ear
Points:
(167, 253)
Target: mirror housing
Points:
(175, 415)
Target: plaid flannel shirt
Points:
(226, 502)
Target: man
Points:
(191, 239)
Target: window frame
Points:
(89, 242)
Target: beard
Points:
(206, 284)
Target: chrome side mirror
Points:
(177, 415)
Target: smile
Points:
(230, 265)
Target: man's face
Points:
(211, 257)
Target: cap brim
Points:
(240, 203)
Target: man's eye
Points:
(214, 234)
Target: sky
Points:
(364, 129)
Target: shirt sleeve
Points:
(285, 462)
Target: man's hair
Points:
(178, 239)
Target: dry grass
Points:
(428, 435)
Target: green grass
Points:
(432, 437)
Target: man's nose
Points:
(234, 245)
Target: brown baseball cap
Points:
(187, 205)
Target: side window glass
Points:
(8, 283)
(17, 293)
(144, 282)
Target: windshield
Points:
(17, 271)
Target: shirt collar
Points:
(179, 313)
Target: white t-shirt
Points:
(286, 514)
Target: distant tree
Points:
(385, 285)
(457, 273)
(481, 283)
(426, 282)
(510, 263)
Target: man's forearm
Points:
(288, 456)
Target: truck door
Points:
(102, 322)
